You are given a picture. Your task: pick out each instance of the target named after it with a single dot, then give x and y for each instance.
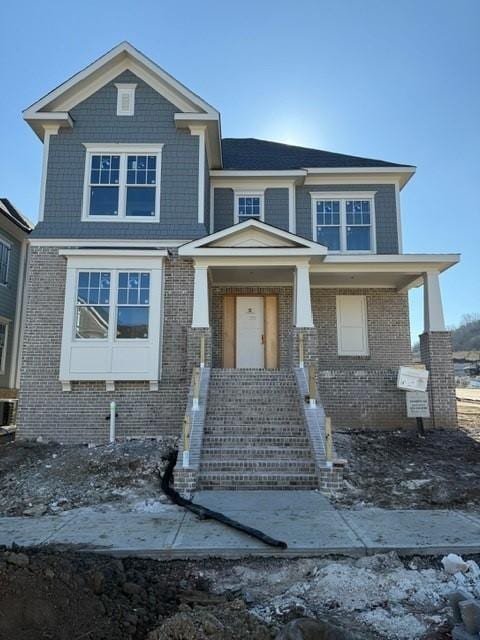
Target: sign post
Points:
(414, 381)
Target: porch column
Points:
(436, 355)
(432, 303)
(303, 301)
(200, 316)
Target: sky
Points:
(396, 80)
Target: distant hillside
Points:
(465, 337)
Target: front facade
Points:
(161, 246)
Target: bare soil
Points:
(38, 478)
(57, 594)
(400, 469)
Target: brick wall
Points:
(436, 354)
(80, 415)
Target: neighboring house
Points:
(159, 241)
(14, 231)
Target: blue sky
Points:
(382, 79)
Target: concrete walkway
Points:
(304, 519)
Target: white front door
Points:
(250, 349)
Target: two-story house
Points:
(162, 246)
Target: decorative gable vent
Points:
(125, 99)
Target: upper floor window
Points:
(4, 262)
(344, 222)
(248, 206)
(122, 183)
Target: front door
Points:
(250, 348)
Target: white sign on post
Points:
(411, 379)
(417, 404)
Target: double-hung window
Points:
(4, 262)
(122, 182)
(112, 316)
(344, 222)
(248, 206)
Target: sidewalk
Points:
(304, 519)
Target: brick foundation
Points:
(436, 355)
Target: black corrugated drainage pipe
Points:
(204, 513)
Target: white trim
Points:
(95, 242)
(342, 197)
(123, 52)
(306, 247)
(363, 350)
(292, 211)
(50, 130)
(400, 169)
(124, 89)
(123, 150)
(432, 303)
(451, 258)
(3, 361)
(248, 193)
(113, 252)
(200, 132)
(399, 218)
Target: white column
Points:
(200, 297)
(432, 303)
(303, 302)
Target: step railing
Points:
(186, 441)
(328, 441)
(301, 357)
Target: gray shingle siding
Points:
(276, 207)
(95, 120)
(385, 212)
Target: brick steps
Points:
(254, 435)
(240, 481)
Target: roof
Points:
(264, 155)
(12, 214)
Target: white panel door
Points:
(249, 319)
(352, 325)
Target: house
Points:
(161, 247)
(14, 231)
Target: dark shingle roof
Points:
(264, 155)
(10, 212)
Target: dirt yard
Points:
(399, 469)
(59, 595)
(38, 479)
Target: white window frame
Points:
(123, 150)
(122, 90)
(3, 360)
(342, 197)
(8, 245)
(249, 193)
(364, 351)
(99, 358)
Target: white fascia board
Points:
(402, 174)
(250, 251)
(314, 247)
(115, 147)
(121, 244)
(257, 182)
(244, 173)
(441, 258)
(408, 264)
(122, 50)
(115, 252)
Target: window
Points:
(4, 262)
(125, 99)
(93, 308)
(3, 345)
(113, 312)
(122, 185)
(352, 326)
(248, 206)
(344, 222)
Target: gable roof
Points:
(264, 240)
(263, 155)
(11, 213)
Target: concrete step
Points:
(255, 453)
(275, 467)
(259, 481)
